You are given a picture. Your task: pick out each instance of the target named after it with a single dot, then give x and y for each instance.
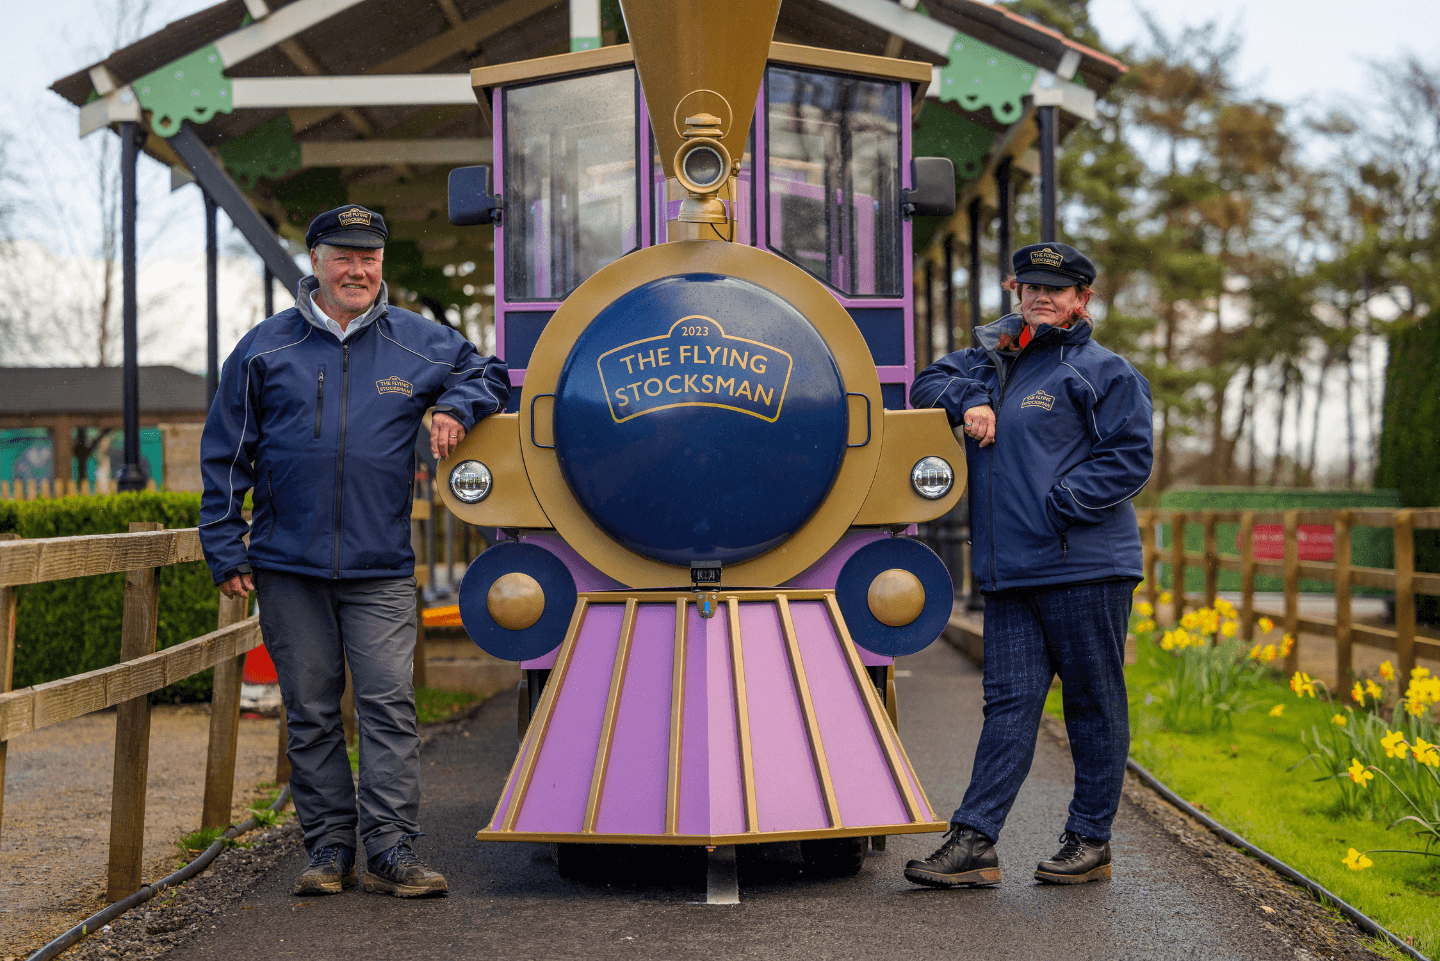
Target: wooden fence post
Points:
(1177, 565)
(1344, 652)
(1212, 560)
(7, 662)
(1404, 597)
(421, 674)
(224, 725)
(1292, 589)
(1247, 575)
(1147, 555)
(132, 733)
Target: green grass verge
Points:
(432, 706)
(1241, 778)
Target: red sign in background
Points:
(1316, 542)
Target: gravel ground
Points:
(152, 930)
(54, 848)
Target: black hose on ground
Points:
(98, 920)
(1364, 922)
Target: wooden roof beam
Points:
(421, 57)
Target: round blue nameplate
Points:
(700, 417)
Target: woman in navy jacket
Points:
(1058, 438)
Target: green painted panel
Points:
(269, 150)
(192, 88)
(941, 133)
(979, 75)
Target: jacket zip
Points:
(340, 464)
(990, 465)
(319, 402)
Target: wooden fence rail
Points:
(1403, 579)
(126, 685)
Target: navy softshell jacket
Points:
(1073, 443)
(324, 433)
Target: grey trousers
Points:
(312, 627)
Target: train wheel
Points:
(834, 857)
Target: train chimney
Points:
(700, 64)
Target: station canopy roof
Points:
(311, 104)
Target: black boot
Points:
(966, 858)
(1079, 859)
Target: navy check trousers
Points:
(1033, 634)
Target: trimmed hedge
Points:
(72, 626)
(1409, 440)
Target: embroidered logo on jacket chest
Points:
(1038, 399)
(394, 385)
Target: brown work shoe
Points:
(330, 871)
(966, 858)
(1079, 859)
(399, 872)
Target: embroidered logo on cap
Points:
(1038, 399)
(1045, 257)
(394, 385)
(355, 217)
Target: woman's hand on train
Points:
(979, 425)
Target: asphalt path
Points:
(508, 900)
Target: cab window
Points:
(833, 199)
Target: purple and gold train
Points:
(702, 271)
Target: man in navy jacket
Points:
(1058, 438)
(317, 413)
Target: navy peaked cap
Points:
(1054, 265)
(348, 226)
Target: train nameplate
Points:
(695, 364)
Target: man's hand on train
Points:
(446, 433)
(979, 425)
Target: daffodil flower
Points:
(1426, 753)
(1357, 694)
(1302, 684)
(1266, 625)
(1286, 645)
(1229, 628)
(1387, 670)
(1358, 772)
(1356, 861)
(1277, 710)
(1144, 609)
(1164, 598)
(1255, 653)
(1267, 654)
(1394, 744)
(1338, 720)
(1373, 690)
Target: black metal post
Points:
(132, 478)
(1045, 116)
(929, 311)
(212, 301)
(974, 291)
(1002, 256)
(949, 293)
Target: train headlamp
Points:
(471, 482)
(932, 477)
(702, 168)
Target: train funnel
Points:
(704, 730)
(700, 64)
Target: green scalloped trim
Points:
(192, 88)
(979, 75)
(269, 150)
